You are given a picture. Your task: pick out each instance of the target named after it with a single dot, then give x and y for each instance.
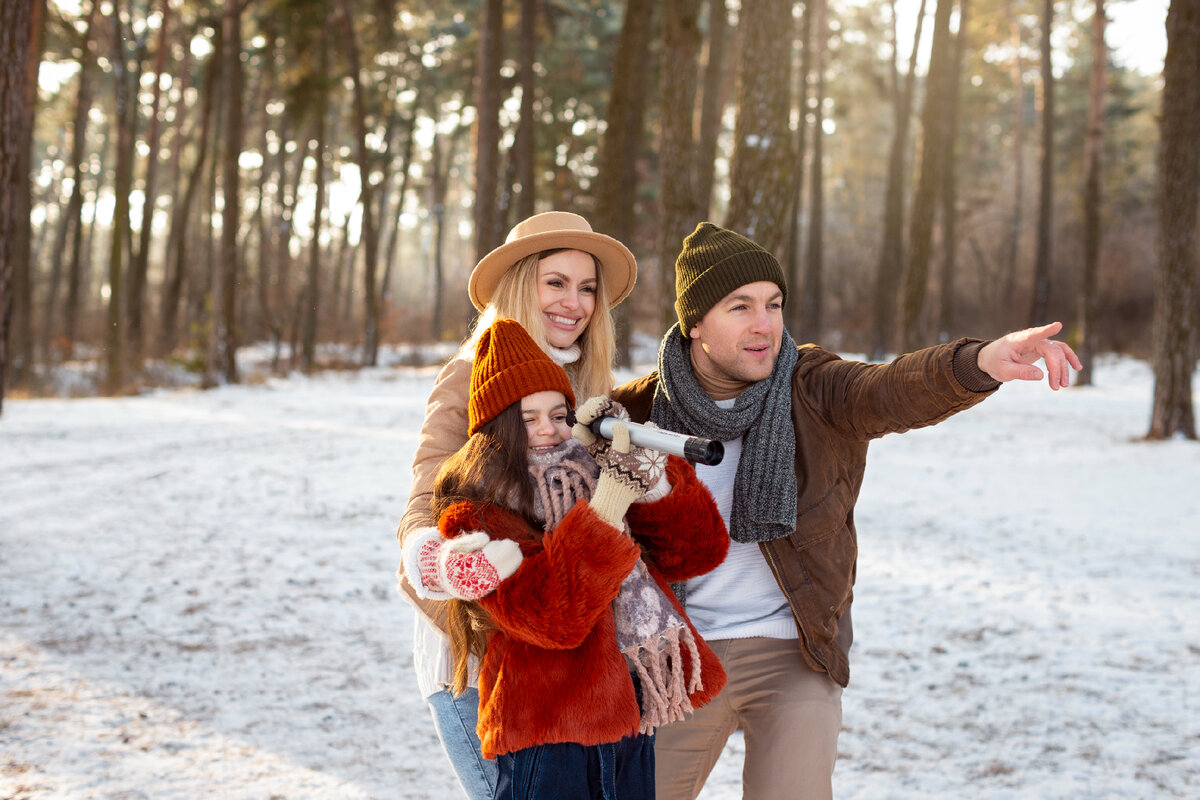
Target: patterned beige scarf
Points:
(650, 633)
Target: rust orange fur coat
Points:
(552, 671)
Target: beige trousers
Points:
(790, 716)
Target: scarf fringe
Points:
(660, 670)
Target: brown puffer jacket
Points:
(838, 406)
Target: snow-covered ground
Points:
(196, 599)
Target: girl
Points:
(560, 280)
(584, 649)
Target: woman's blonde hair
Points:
(516, 298)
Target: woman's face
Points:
(545, 416)
(566, 283)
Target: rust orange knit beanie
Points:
(508, 366)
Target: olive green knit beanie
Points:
(713, 262)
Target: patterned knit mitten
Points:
(471, 566)
(627, 471)
(468, 567)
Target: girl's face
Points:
(545, 416)
(566, 284)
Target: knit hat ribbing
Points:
(508, 366)
(713, 262)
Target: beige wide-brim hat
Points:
(555, 230)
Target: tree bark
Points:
(368, 235)
(114, 340)
(712, 106)
(405, 178)
(1093, 150)
(1018, 87)
(793, 312)
(21, 345)
(929, 184)
(225, 317)
(487, 127)
(72, 220)
(1043, 263)
(891, 252)
(181, 204)
(311, 297)
(761, 168)
(524, 145)
(811, 300)
(946, 319)
(1178, 202)
(16, 18)
(676, 160)
(621, 146)
(136, 336)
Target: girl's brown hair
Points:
(490, 469)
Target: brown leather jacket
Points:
(838, 406)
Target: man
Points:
(795, 423)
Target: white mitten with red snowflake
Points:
(467, 567)
(472, 565)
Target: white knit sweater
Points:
(740, 598)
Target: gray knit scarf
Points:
(650, 633)
(764, 489)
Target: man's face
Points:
(739, 338)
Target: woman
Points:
(560, 280)
(594, 537)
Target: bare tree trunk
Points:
(16, 44)
(286, 306)
(1045, 231)
(310, 304)
(21, 341)
(225, 321)
(676, 160)
(178, 255)
(524, 143)
(793, 313)
(79, 277)
(1093, 150)
(812, 297)
(437, 188)
(712, 108)
(924, 207)
(891, 252)
(1018, 88)
(72, 219)
(369, 236)
(946, 325)
(136, 336)
(1178, 202)
(761, 168)
(621, 146)
(115, 356)
(264, 274)
(487, 126)
(394, 233)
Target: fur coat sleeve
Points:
(682, 534)
(567, 580)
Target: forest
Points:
(182, 178)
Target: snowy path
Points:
(196, 600)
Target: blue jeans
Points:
(454, 719)
(621, 770)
